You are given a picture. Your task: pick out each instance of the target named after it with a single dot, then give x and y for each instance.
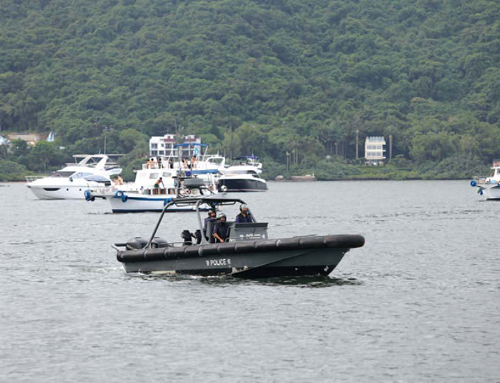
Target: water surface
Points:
(420, 302)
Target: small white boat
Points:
(143, 196)
(89, 171)
(243, 176)
(489, 186)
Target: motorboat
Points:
(489, 186)
(70, 182)
(249, 181)
(243, 176)
(143, 196)
(248, 252)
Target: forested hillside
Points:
(262, 77)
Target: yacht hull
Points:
(299, 256)
(242, 184)
(54, 192)
(142, 204)
(492, 192)
(127, 202)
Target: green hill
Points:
(258, 76)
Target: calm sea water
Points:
(419, 303)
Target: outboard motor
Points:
(158, 242)
(187, 237)
(136, 243)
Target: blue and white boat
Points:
(489, 186)
(143, 196)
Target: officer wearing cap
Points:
(244, 216)
(221, 229)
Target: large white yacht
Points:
(489, 186)
(88, 171)
(243, 176)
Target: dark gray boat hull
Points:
(253, 259)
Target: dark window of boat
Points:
(51, 189)
(62, 174)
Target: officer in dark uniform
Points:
(244, 216)
(221, 229)
(210, 218)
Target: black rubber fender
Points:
(296, 243)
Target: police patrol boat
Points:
(246, 253)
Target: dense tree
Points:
(267, 77)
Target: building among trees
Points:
(163, 146)
(375, 150)
(30, 138)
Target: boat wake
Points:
(225, 280)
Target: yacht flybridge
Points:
(88, 171)
(246, 253)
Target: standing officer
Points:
(244, 216)
(221, 229)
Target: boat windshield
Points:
(81, 175)
(62, 174)
(216, 160)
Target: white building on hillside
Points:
(375, 150)
(163, 146)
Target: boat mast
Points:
(200, 224)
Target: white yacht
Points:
(142, 195)
(88, 171)
(489, 186)
(243, 176)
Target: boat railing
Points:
(30, 179)
(108, 190)
(480, 179)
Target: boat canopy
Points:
(214, 200)
(210, 200)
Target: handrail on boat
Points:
(34, 178)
